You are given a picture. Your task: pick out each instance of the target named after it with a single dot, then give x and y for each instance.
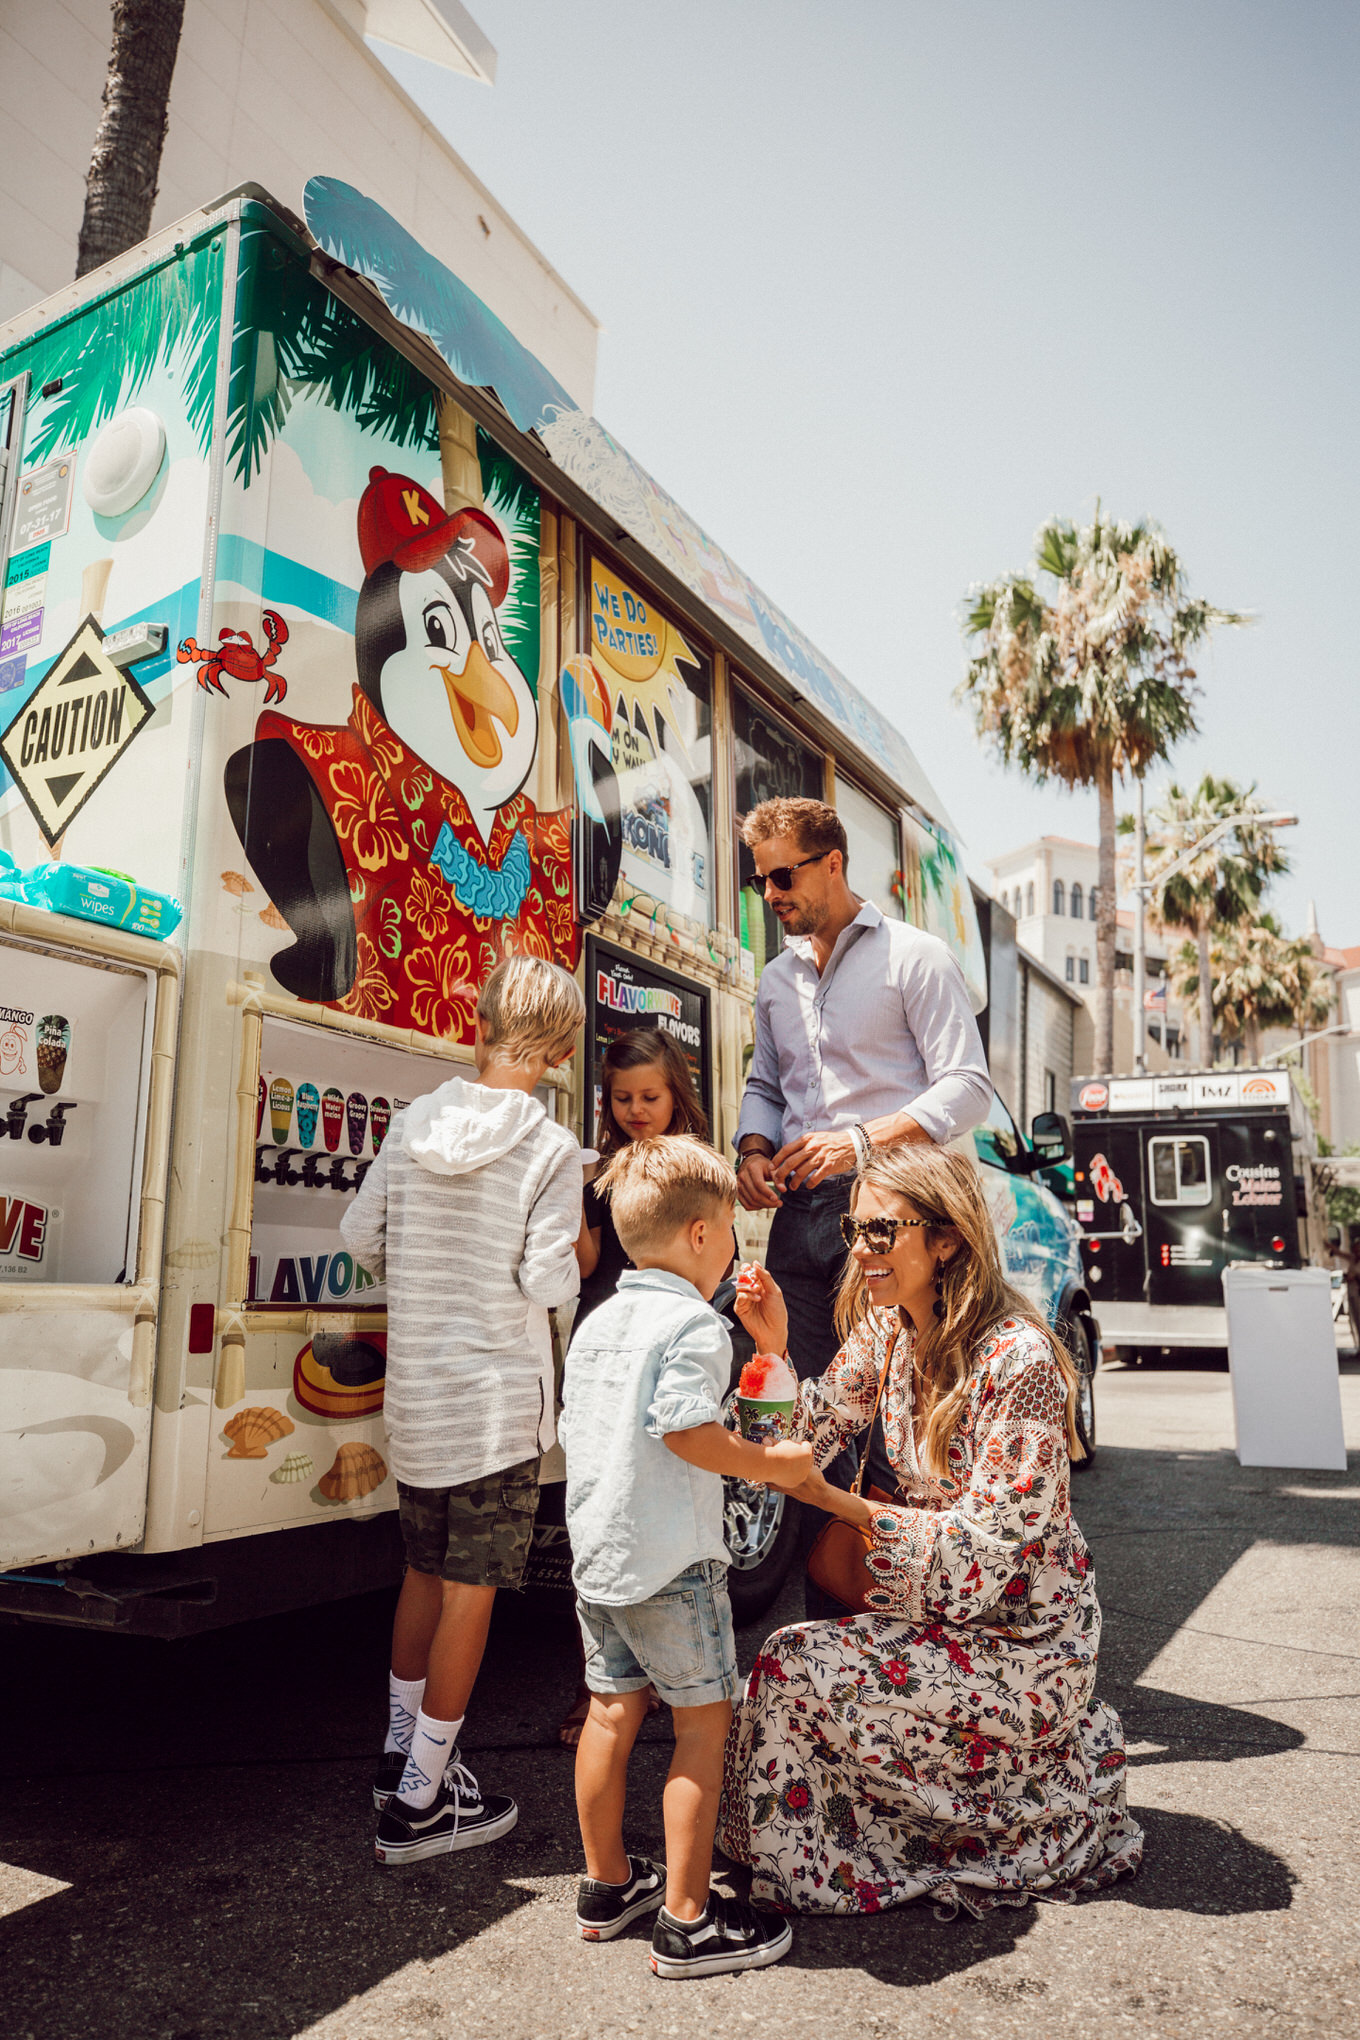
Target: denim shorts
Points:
(680, 1640)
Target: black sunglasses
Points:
(878, 1234)
(781, 878)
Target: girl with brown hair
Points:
(975, 1763)
(646, 1088)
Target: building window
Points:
(1173, 1043)
(1084, 971)
(1071, 969)
(1059, 903)
(1029, 897)
(1091, 902)
(1050, 1091)
(1076, 901)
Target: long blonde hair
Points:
(943, 1186)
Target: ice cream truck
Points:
(1177, 1177)
(341, 655)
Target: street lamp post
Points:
(1143, 886)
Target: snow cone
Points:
(765, 1399)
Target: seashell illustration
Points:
(236, 882)
(272, 918)
(297, 1466)
(253, 1431)
(356, 1470)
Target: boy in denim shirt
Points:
(646, 1451)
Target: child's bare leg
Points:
(693, 1789)
(602, 1780)
(418, 1609)
(455, 1650)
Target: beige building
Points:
(272, 92)
(1051, 887)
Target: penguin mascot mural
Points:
(398, 846)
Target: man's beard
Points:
(809, 919)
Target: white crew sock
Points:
(431, 1747)
(403, 1704)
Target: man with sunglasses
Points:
(864, 1036)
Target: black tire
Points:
(1077, 1334)
(761, 1528)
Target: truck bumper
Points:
(1162, 1324)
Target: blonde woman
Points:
(945, 1740)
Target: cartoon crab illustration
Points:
(237, 657)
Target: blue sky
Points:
(884, 284)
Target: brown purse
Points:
(837, 1561)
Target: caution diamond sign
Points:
(72, 730)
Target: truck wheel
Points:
(1078, 1340)
(761, 1528)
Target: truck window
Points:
(997, 1140)
(1178, 1168)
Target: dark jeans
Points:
(806, 1257)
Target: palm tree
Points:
(1221, 886)
(125, 163)
(1082, 670)
(1309, 987)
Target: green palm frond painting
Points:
(290, 334)
(104, 356)
(513, 501)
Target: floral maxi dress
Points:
(947, 1742)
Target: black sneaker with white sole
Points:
(728, 1935)
(460, 1816)
(387, 1777)
(603, 1910)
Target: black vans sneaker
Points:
(387, 1777)
(460, 1816)
(603, 1910)
(728, 1936)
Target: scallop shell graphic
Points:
(253, 1431)
(297, 1466)
(356, 1470)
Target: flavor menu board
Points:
(326, 1102)
(74, 1066)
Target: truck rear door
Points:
(1186, 1245)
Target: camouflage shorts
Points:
(478, 1533)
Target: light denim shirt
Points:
(654, 1358)
(886, 1027)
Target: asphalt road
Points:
(186, 1830)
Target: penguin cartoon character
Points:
(398, 846)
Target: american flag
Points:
(1155, 1001)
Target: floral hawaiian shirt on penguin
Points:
(434, 911)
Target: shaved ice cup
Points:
(766, 1417)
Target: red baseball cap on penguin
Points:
(402, 522)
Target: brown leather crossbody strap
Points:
(858, 1482)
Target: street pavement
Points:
(186, 1835)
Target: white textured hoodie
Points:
(471, 1211)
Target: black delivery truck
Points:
(1175, 1178)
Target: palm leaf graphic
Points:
(430, 299)
(513, 501)
(105, 354)
(289, 333)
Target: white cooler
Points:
(1282, 1359)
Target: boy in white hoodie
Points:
(471, 1213)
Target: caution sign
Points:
(72, 730)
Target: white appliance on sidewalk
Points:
(1282, 1359)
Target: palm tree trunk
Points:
(1206, 995)
(1251, 1030)
(120, 186)
(1105, 927)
